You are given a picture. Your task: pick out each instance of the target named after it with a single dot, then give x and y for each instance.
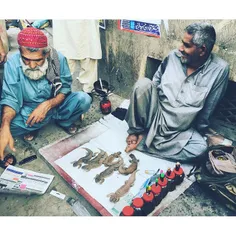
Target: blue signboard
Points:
(146, 28)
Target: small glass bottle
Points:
(170, 175)
(77, 207)
(162, 181)
(179, 174)
(137, 204)
(156, 190)
(127, 211)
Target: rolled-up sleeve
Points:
(65, 75)
(11, 90)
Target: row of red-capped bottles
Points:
(167, 182)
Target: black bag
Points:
(216, 171)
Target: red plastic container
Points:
(127, 211)
(162, 181)
(170, 175)
(156, 190)
(149, 205)
(179, 174)
(137, 204)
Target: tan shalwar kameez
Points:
(79, 42)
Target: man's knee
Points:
(197, 148)
(201, 148)
(143, 82)
(142, 86)
(84, 100)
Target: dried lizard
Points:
(100, 178)
(132, 167)
(109, 160)
(95, 164)
(97, 158)
(115, 197)
(84, 159)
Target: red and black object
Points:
(127, 211)
(105, 105)
(179, 174)
(162, 181)
(156, 190)
(170, 175)
(9, 159)
(137, 204)
(149, 205)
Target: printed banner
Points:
(149, 28)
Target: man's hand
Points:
(39, 113)
(5, 133)
(3, 55)
(6, 139)
(133, 141)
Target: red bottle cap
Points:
(148, 197)
(137, 202)
(170, 174)
(156, 189)
(162, 182)
(128, 211)
(179, 171)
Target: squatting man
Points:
(36, 89)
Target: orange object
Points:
(137, 204)
(149, 204)
(127, 211)
(179, 174)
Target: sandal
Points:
(72, 129)
(9, 159)
(30, 136)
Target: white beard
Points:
(36, 73)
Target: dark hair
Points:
(203, 34)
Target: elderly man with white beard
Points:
(36, 89)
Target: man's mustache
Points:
(35, 69)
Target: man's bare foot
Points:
(133, 141)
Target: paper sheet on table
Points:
(113, 140)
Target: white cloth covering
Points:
(77, 39)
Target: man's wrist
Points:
(49, 105)
(5, 126)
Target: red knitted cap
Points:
(32, 38)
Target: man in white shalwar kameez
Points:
(79, 41)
